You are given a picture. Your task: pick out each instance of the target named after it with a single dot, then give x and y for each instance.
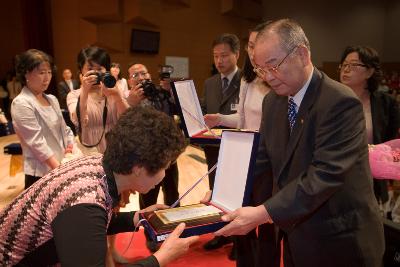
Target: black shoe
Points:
(217, 242)
(232, 254)
(152, 245)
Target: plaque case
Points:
(232, 187)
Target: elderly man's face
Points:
(282, 70)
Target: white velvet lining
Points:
(189, 102)
(232, 170)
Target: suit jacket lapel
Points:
(302, 115)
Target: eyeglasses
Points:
(261, 72)
(351, 66)
(136, 75)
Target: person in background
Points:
(360, 70)
(221, 95)
(65, 86)
(14, 86)
(121, 82)
(314, 147)
(73, 204)
(160, 100)
(99, 107)
(37, 118)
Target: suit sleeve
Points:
(394, 118)
(62, 93)
(340, 141)
(203, 100)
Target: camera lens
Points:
(107, 79)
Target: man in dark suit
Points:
(221, 95)
(221, 91)
(313, 140)
(65, 86)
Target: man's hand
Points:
(243, 220)
(173, 247)
(212, 120)
(136, 95)
(165, 85)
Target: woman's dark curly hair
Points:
(370, 58)
(143, 137)
(28, 61)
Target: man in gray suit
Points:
(314, 142)
(221, 95)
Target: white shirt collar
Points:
(230, 75)
(298, 97)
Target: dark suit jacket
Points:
(63, 91)
(386, 122)
(213, 100)
(323, 199)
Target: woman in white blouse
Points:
(37, 117)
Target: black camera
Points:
(105, 77)
(165, 71)
(149, 89)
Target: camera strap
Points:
(78, 113)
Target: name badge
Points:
(234, 107)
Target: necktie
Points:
(292, 113)
(225, 84)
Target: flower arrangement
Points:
(384, 160)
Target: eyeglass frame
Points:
(261, 72)
(350, 65)
(138, 74)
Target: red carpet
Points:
(196, 256)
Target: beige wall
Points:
(187, 29)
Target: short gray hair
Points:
(289, 31)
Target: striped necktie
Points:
(292, 113)
(225, 85)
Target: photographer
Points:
(143, 92)
(96, 106)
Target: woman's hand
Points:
(212, 120)
(88, 80)
(149, 208)
(174, 246)
(69, 148)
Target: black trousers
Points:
(211, 153)
(169, 186)
(30, 180)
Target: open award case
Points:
(191, 115)
(232, 188)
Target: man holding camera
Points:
(144, 92)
